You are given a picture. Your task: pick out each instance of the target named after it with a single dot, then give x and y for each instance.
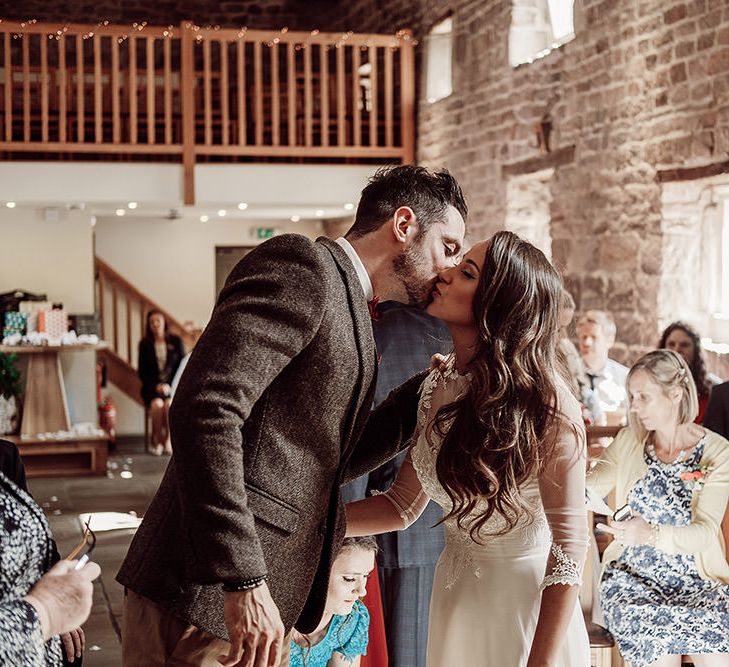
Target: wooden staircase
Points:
(123, 312)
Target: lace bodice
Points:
(562, 524)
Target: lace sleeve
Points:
(406, 494)
(562, 488)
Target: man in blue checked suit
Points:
(406, 339)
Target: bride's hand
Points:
(438, 362)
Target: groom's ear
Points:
(404, 224)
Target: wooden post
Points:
(258, 91)
(80, 110)
(8, 89)
(62, 82)
(407, 101)
(275, 97)
(151, 89)
(26, 88)
(187, 80)
(240, 51)
(44, 88)
(224, 88)
(132, 90)
(374, 102)
(356, 97)
(115, 115)
(324, 92)
(98, 110)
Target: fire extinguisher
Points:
(107, 409)
(107, 417)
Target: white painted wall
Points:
(173, 261)
(55, 259)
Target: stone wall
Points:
(643, 86)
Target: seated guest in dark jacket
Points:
(160, 353)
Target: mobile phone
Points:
(625, 512)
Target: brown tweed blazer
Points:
(267, 422)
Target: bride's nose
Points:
(445, 274)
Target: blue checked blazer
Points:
(406, 339)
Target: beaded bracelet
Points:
(245, 585)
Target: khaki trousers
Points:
(152, 637)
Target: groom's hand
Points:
(255, 629)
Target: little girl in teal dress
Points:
(341, 636)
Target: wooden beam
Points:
(556, 158)
(692, 173)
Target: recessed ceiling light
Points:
(10, 204)
(222, 212)
(120, 211)
(295, 218)
(319, 213)
(349, 207)
(204, 218)
(132, 205)
(242, 206)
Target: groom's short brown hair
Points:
(428, 193)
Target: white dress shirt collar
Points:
(359, 267)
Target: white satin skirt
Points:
(486, 615)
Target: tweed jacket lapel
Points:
(363, 336)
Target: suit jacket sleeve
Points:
(716, 412)
(269, 310)
(388, 430)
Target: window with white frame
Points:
(439, 63)
(538, 27)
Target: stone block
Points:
(675, 14)
(678, 73)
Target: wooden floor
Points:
(63, 499)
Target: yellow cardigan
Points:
(622, 465)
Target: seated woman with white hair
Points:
(665, 581)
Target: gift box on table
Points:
(15, 323)
(53, 322)
(32, 309)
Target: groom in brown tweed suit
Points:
(269, 419)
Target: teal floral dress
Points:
(656, 603)
(346, 635)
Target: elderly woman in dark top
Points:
(37, 604)
(160, 354)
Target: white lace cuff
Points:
(565, 571)
(407, 514)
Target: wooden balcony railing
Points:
(199, 94)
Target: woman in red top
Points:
(682, 338)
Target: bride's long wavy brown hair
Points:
(502, 428)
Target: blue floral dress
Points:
(656, 603)
(346, 635)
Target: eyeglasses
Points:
(82, 552)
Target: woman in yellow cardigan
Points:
(665, 583)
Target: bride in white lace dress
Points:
(500, 446)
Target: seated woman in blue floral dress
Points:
(341, 637)
(665, 582)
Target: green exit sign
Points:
(265, 232)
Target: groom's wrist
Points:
(244, 584)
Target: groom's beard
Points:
(408, 267)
